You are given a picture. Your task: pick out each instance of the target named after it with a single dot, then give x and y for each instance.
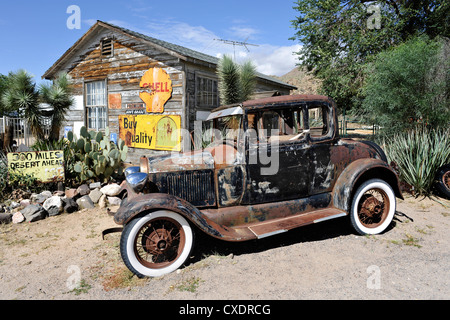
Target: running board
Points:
(273, 227)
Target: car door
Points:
(277, 156)
(322, 136)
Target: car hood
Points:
(195, 160)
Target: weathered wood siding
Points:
(123, 72)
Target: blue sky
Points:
(35, 34)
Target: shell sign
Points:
(156, 89)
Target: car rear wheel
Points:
(373, 207)
(443, 181)
(156, 244)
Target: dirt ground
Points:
(65, 258)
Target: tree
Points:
(3, 85)
(408, 85)
(20, 95)
(339, 37)
(236, 83)
(58, 96)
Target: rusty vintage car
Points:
(271, 165)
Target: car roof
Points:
(274, 101)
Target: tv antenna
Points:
(237, 43)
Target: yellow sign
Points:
(46, 166)
(155, 132)
(157, 89)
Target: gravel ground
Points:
(65, 258)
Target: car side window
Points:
(284, 124)
(318, 121)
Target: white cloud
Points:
(269, 59)
(274, 60)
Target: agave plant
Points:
(418, 154)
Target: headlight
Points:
(137, 181)
(131, 170)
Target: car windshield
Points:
(224, 129)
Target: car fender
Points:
(145, 203)
(356, 173)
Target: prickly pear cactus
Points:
(96, 156)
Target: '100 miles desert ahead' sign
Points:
(45, 166)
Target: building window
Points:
(207, 95)
(107, 48)
(96, 105)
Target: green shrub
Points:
(408, 85)
(418, 154)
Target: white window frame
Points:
(96, 105)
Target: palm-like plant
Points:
(58, 96)
(236, 83)
(21, 95)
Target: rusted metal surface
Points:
(357, 172)
(137, 204)
(234, 201)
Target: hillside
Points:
(305, 83)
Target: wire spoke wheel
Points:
(156, 244)
(446, 179)
(159, 242)
(373, 207)
(442, 181)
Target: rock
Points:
(5, 218)
(53, 206)
(25, 203)
(59, 193)
(95, 195)
(95, 185)
(111, 190)
(14, 205)
(71, 193)
(70, 205)
(46, 193)
(18, 218)
(114, 201)
(83, 190)
(41, 197)
(102, 202)
(34, 212)
(85, 203)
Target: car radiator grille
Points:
(194, 187)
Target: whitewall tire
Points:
(373, 207)
(156, 244)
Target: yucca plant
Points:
(418, 154)
(58, 96)
(236, 83)
(22, 96)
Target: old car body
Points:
(272, 165)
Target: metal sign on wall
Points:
(156, 89)
(155, 132)
(45, 166)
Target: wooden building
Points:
(137, 85)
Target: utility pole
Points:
(237, 43)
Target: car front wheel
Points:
(156, 244)
(373, 207)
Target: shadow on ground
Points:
(206, 246)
